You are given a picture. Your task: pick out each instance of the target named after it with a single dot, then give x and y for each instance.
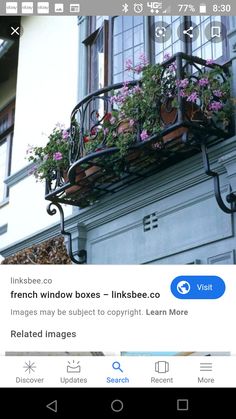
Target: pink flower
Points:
(144, 135)
(215, 106)
(138, 68)
(137, 89)
(193, 97)
(209, 61)
(131, 123)
(203, 82)
(65, 135)
(57, 156)
(129, 64)
(143, 59)
(182, 83)
(113, 120)
(218, 93)
(106, 131)
(167, 56)
(172, 67)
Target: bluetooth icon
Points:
(125, 8)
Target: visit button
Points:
(198, 287)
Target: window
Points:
(203, 46)
(128, 44)
(173, 44)
(115, 40)
(6, 134)
(97, 44)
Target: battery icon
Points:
(202, 8)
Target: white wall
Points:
(46, 94)
(47, 80)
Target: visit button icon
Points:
(194, 287)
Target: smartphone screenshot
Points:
(117, 208)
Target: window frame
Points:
(149, 45)
(7, 136)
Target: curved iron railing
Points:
(95, 173)
(180, 136)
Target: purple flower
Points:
(129, 64)
(167, 56)
(218, 93)
(137, 89)
(113, 120)
(144, 135)
(172, 67)
(143, 59)
(215, 106)
(138, 68)
(131, 123)
(203, 82)
(106, 131)
(193, 97)
(182, 83)
(183, 93)
(57, 156)
(210, 61)
(65, 135)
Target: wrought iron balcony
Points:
(96, 173)
(102, 169)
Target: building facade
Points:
(171, 217)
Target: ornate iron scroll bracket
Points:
(231, 197)
(81, 257)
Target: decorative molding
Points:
(19, 175)
(227, 258)
(157, 187)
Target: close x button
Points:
(194, 287)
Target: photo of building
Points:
(169, 199)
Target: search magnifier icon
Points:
(116, 366)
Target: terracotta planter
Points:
(124, 127)
(169, 118)
(92, 172)
(72, 189)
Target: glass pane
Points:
(217, 50)
(3, 162)
(97, 64)
(138, 20)
(118, 78)
(117, 64)
(127, 22)
(117, 25)
(138, 35)
(100, 20)
(128, 39)
(117, 44)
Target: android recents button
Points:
(198, 287)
